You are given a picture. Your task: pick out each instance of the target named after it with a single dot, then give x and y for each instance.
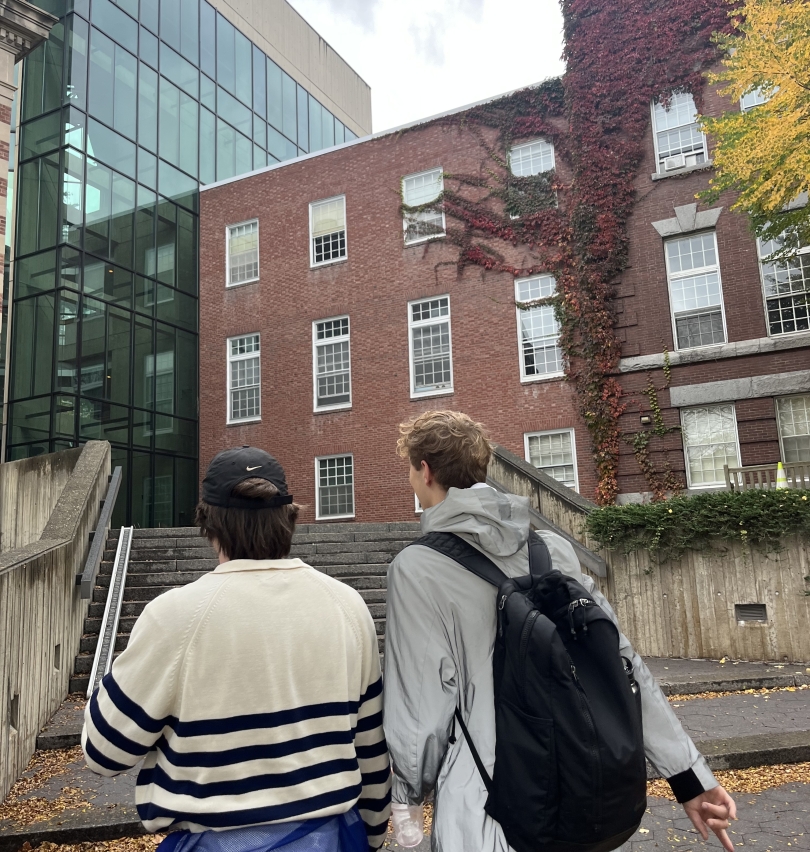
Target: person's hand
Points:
(713, 810)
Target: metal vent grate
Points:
(750, 612)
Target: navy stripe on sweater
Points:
(113, 736)
(132, 709)
(249, 816)
(97, 757)
(250, 784)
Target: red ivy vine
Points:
(620, 54)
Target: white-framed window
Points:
(555, 454)
(418, 189)
(678, 140)
(430, 346)
(244, 378)
(334, 485)
(331, 364)
(417, 506)
(531, 158)
(538, 330)
(793, 419)
(242, 260)
(786, 285)
(756, 97)
(327, 230)
(695, 291)
(709, 441)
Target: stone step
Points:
(129, 613)
(305, 551)
(88, 643)
(146, 593)
(162, 578)
(161, 554)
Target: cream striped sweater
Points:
(252, 695)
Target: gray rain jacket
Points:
(438, 653)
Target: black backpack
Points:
(570, 773)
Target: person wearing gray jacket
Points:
(440, 634)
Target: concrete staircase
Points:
(162, 559)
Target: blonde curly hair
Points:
(456, 448)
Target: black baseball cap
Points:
(230, 467)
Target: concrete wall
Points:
(293, 45)
(29, 490)
(42, 613)
(685, 608)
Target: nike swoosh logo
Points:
(253, 468)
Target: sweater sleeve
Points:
(126, 715)
(421, 686)
(667, 746)
(369, 742)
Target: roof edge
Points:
(373, 136)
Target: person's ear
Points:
(427, 473)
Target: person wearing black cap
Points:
(253, 695)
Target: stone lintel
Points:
(731, 390)
(687, 220)
(23, 27)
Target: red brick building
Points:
(327, 317)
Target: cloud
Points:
(360, 12)
(429, 35)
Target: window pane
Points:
(41, 136)
(234, 112)
(335, 486)
(226, 63)
(328, 128)
(315, 125)
(431, 357)
(43, 75)
(39, 204)
(208, 36)
(710, 438)
(787, 289)
(149, 14)
(243, 253)
(147, 107)
(553, 453)
(102, 76)
(149, 48)
(793, 414)
(332, 363)
(702, 329)
(208, 154)
(418, 190)
(179, 71)
(111, 148)
(35, 274)
(170, 23)
(289, 98)
(244, 83)
(189, 29)
(226, 150)
(110, 19)
(274, 97)
(76, 83)
(532, 159)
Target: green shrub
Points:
(700, 522)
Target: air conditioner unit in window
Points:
(676, 162)
(693, 159)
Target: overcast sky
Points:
(422, 58)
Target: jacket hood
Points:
(497, 523)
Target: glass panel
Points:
(175, 307)
(335, 486)
(110, 19)
(315, 125)
(179, 71)
(208, 154)
(163, 492)
(187, 251)
(64, 417)
(260, 132)
(274, 99)
(165, 261)
(276, 144)
(350, 135)
(35, 274)
(208, 39)
(34, 324)
(67, 350)
(75, 127)
(39, 204)
(177, 186)
(340, 135)
(76, 83)
(226, 150)
(141, 489)
(170, 23)
(73, 197)
(147, 108)
(98, 208)
(70, 273)
(30, 421)
(144, 384)
(244, 155)
(149, 14)
(289, 98)
(244, 84)
(111, 148)
(185, 491)
(226, 62)
(178, 127)
(144, 295)
(144, 231)
(208, 93)
(328, 128)
(129, 6)
(178, 436)
(259, 83)
(102, 76)
(187, 372)
(101, 421)
(793, 415)
(553, 454)
(118, 347)
(259, 157)
(41, 136)
(303, 119)
(233, 112)
(107, 281)
(43, 75)
(147, 168)
(149, 48)
(532, 158)
(119, 457)
(189, 29)
(710, 437)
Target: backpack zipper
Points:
(571, 607)
(583, 700)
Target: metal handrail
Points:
(87, 578)
(587, 558)
(105, 649)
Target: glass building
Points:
(123, 113)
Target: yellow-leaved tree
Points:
(763, 151)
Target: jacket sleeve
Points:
(668, 747)
(420, 683)
(126, 715)
(369, 742)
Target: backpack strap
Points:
(539, 557)
(453, 546)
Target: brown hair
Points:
(249, 533)
(456, 448)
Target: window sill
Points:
(423, 240)
(686, 170)
(328, 409)
(244, 422)
(705, 347)
(240, 284)
(550, 377)
(334, 517)
(428, 394)
(324, 263)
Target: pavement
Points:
(733, 731)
